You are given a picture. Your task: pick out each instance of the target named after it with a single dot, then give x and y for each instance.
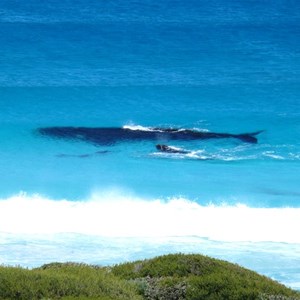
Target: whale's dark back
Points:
(112, 135)
(102, 136)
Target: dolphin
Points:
(113, 135)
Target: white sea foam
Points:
(272, 155)
(137, 127)
(115, 214)
(144, 128)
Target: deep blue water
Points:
(212, 66)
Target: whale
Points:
(195, 155)
(112, 135)
(171, 149)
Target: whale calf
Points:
(171, 149)
(113, 135)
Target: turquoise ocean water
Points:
(212, 66)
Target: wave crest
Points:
(115, 214)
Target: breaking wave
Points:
(114, 214)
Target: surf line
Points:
(113, 135)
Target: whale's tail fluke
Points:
(248, 137)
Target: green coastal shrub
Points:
(64, 281)
(201, 277)
(169, 277)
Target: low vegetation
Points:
(169, 277)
